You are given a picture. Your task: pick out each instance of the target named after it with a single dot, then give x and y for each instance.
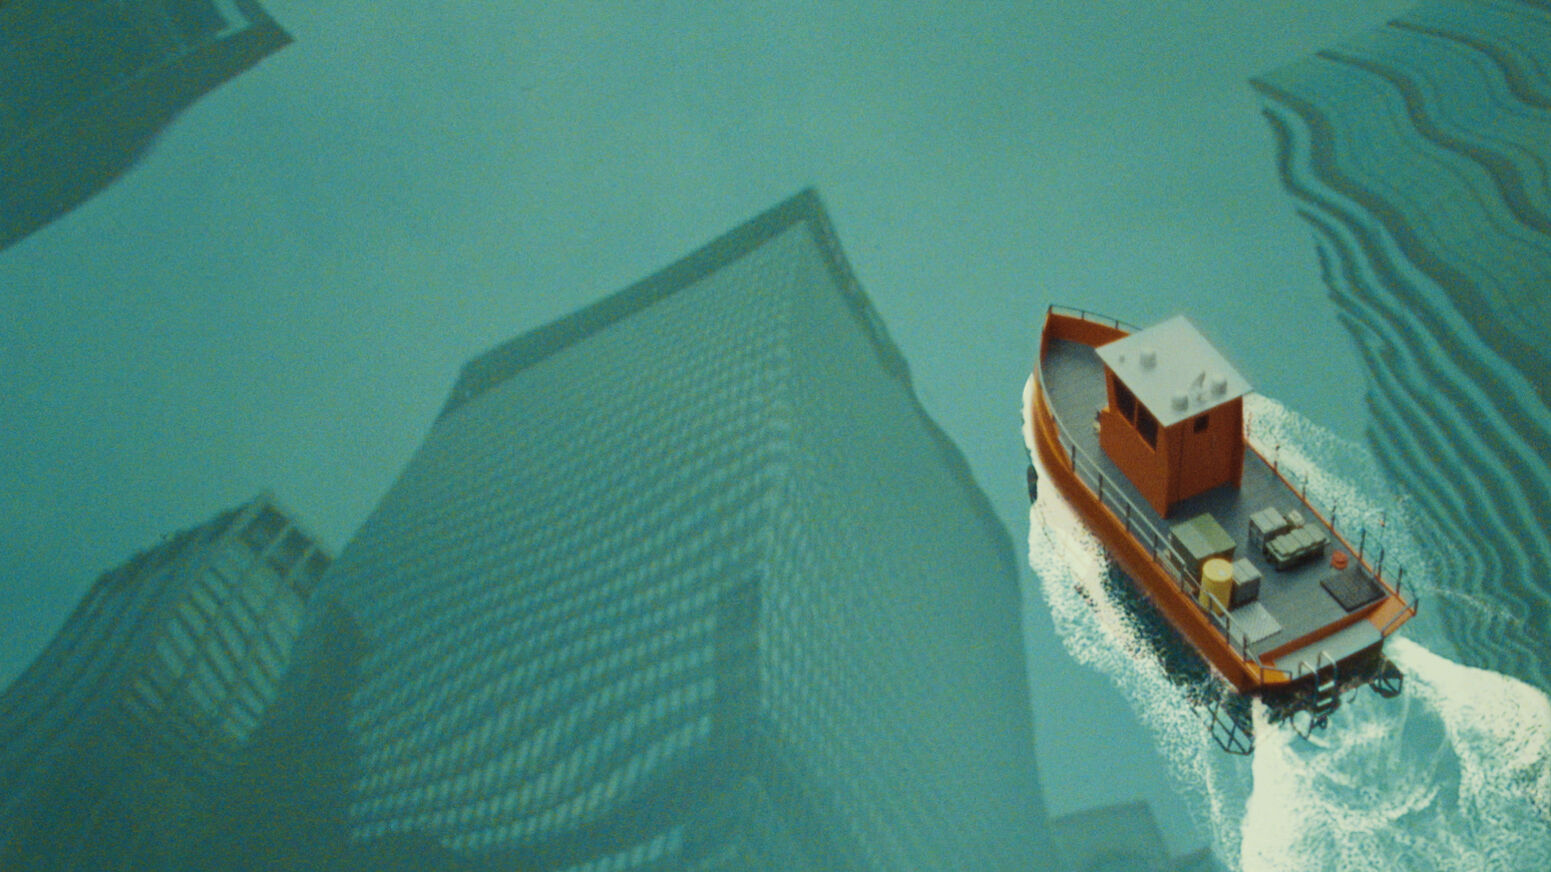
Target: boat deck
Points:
(1293, 602)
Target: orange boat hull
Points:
(1247, 675)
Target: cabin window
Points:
(1147, 425)
(1201, 423)
(1125, 402)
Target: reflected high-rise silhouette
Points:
(1417, 151)
(689, 580)
(85, 88)
(113, 739)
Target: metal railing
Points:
(1085, 315)
(1159, 547)
(1137, 523)
(1328, 515)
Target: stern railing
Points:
(1327, 515)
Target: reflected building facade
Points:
(1418, 153)
(1122, 838)
(110, 741)
(85, 88)
(689, 580)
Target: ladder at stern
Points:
(1232, 726)
(1325, 694)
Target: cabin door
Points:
(1206, 455)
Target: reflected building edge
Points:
(688, 580)
(1122, 838)
(86, 87)
(1417, 152)
(112, 739)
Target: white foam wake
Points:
(1097, 631)
(1455, 774)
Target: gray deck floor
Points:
(1073, 378)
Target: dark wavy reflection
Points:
(1419, 153)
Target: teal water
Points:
(1417, 154)
(278, 294)
(1453, 774)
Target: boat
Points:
(1143, 432)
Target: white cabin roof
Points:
(1173, 370)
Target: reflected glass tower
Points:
(689, 580)
(111, 739)
(1122, 838)
(1418, 153)
(86, 86)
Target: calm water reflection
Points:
(283, 280)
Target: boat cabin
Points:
(1174, 421)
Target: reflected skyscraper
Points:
(111, 739)
(689, 580)
(1121, 838)
(1418, 151)
(85, 88)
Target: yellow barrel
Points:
(1216, 581)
